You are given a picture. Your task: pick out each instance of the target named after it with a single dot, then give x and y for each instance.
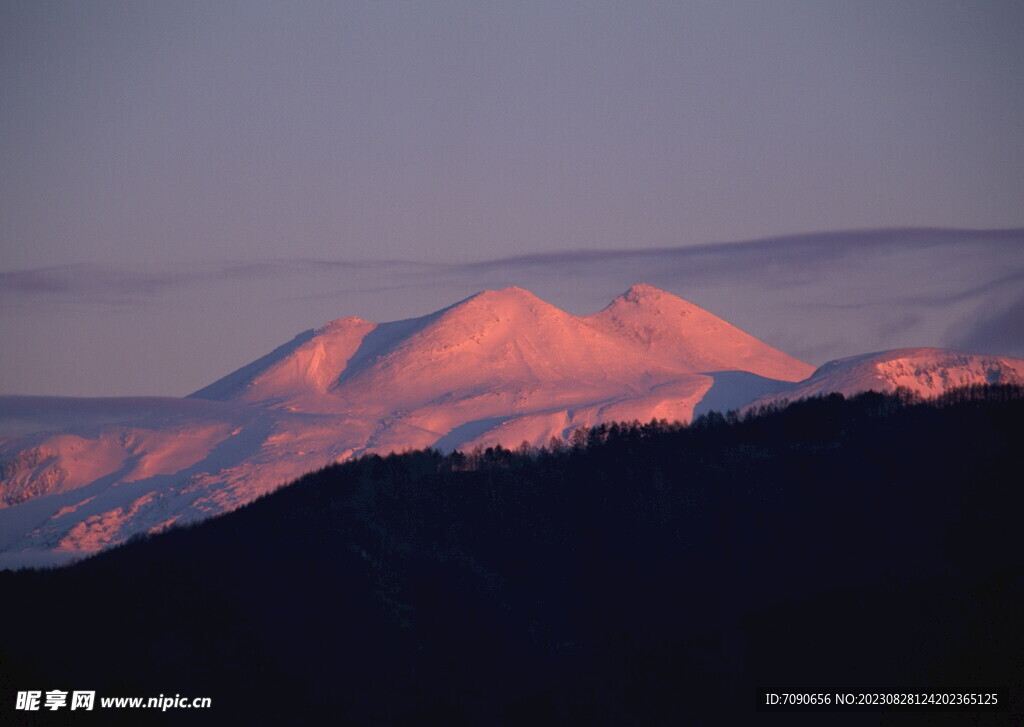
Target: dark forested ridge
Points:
(640, 574)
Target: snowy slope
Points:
(73, 491)
(926, 371)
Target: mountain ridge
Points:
(513, 330)
(498, 367)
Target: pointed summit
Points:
(656, 300)
(642, 291)
(341, 324)
(677, 330)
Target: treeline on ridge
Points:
(637, 574)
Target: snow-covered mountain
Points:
(504, 366)
(78, 475)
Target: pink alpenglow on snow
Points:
(925, 371)
(501, 366)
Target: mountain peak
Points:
(504, 295)
(648, 300)
(674, 329)
(641, 291)
(642, 296)
(339, 324)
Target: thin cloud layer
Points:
(1002, 330)
(816, 296)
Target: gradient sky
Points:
(186, 185)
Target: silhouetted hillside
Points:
(639, 574)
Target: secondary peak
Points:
(643, 290)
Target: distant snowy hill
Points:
(925, 371)
(79, 475)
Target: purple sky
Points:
(188, 184)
